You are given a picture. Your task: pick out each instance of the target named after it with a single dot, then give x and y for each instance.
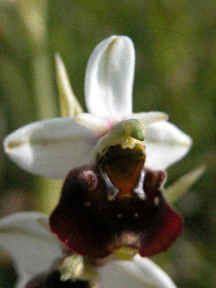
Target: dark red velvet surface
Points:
(118, 203)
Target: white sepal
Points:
(32, 246)
(109, 78)
(51, 148)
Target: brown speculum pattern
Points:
(117, 203)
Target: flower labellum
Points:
(115, 204)
(39, 257)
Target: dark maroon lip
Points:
(117, 203)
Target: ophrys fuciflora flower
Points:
(111, 202)
(117, 203)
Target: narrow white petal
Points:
(165, 144)
(29, 242)
(149, 117)
(51, 148)
(109, 78)
(183, 184)
(69, 104)
(99, 125)
(138, 273)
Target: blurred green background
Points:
(175, 72)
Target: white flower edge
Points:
(34, 249)
(140, 270)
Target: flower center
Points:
(115, 204)
(122, 168)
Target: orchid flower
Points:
(51, 148)
(54, 147)
(115, 204)
(37, 252)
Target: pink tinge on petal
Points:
(116, 204)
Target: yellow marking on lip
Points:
(125, 195)
(125, 253)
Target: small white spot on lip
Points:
(136, 215)
(139, 188)
(112, 190)
(91, 179)
(87, 204)
(119, 216)
(156, 201)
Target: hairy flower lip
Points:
(96, 222)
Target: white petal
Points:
(51, 148)
(165, 144)
(149, 117)
(109, 78)
(30, 243)
(138, 273)
(69, 104)
(23, 281)
(99, 125)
